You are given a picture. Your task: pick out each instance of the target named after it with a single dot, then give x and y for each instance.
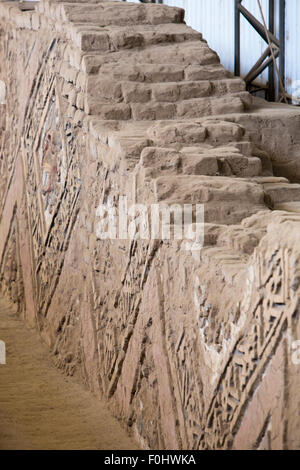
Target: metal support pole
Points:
(282, 39)
(271, 87)
(237, 39)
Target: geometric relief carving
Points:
(253, 352)
(113, 336)
(11, 279)
(51, 155)
(53, 183)
(190, 387)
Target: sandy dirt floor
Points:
(40, 408)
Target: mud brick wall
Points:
(107, 99)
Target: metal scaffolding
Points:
(274, 89)
(275, 48)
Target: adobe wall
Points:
(105, 99)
